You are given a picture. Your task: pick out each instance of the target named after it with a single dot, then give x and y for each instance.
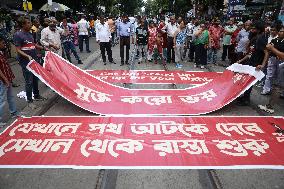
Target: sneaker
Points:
(15, 114)
(122, 63)
(2, 124)
(80, 62)
(267, 108)
(105, 63)
(139, 62)
(112, 62)
(195, 65)
(126, 62)
(32, 106)
(40, 98)
(265, 93)
(202, 67)
(89, 51)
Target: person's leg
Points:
(87, 43)
(169, 47)
(11, 101)
(66, 47)
(214, 59)
(109, 52)
(127, 49)
(35, 87)
(269, 77)
(122, 50)
(203, 56)
(102, 48)
(3, 93)
(73, 50)
(209, 56)
(28, 76)
(224, 54)
(81, 38)
(198, 55)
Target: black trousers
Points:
(170, 49)
(106, 47)
(124, 41)
(227, 51)
(191, 51)
(81, 39)
(200, 54)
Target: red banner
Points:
(154, 76)
(87, 92)
(144, 142)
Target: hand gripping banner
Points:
(154, 76)
(95, 95)
(144, 142)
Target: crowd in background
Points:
(168, 39)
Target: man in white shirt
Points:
(83, 26)
(50, 37)
(103, 36)
(171, 28)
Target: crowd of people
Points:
(169, 39)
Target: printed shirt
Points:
(171, 29)
(243, 41)
(103, 33)
(141, 35)
(228, 37)
(278, 44)
(5, 68)
(67, 34)
(215, 34)
(180, 37)
(25, 41)
(51, 37)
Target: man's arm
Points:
(278, 53)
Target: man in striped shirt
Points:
(6, 77)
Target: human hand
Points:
(269, 46)
(259, 67)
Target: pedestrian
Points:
(26, 49)
(124, 32)
(67, 41)
(276, 49)
(141, 40)
(83, 27)
(201, 45)
(103, 36)
(215, 32)
(242, 41)
(234, 42)
(180, 43)
(111, 24)
(273, 62)
(256, 57)
(51, 37)
(6, 90)
(75, 32)
(152, 39)
(227, 42)
(163, 34)
(170, 29)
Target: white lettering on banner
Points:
(208, 95)
(85, 93)
(240, 128)
(57, 128)
(173, 146)
(112, 146)
(111, 128)
(151, 100)
(37, 146)
(239, 148)
(238, 77)
(168, 127)
(192, 77)
(279, 137)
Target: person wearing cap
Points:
(170, 29)
(124, 31)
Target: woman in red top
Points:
(6, 77)
(152, 37)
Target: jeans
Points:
(212, 55)
(81, 39)
(69, 46)
(179, 52)
(6, 91)
(272, 73)
(141, 49)
(31, 83)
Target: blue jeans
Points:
(212, 56)
(6, 91)
(69, 46)
(31, 83)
